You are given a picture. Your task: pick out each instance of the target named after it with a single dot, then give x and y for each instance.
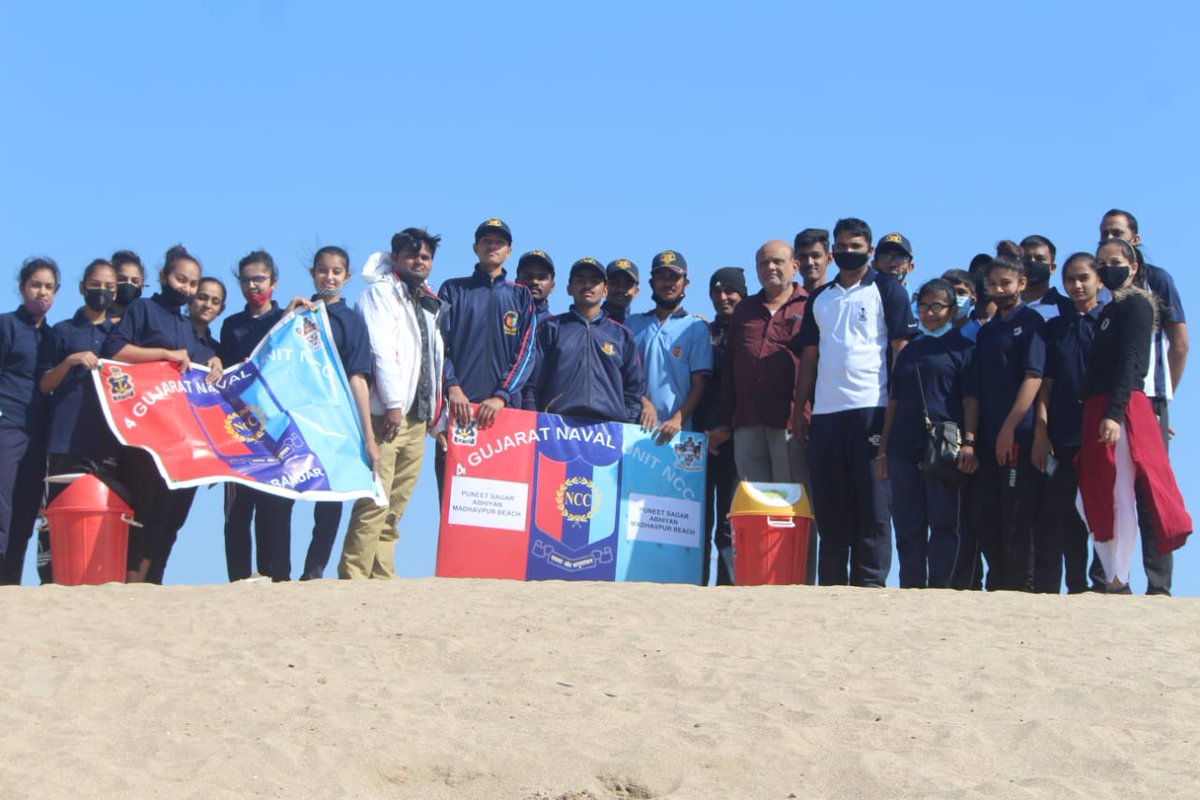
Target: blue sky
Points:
(616, 129)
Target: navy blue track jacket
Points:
(588, 369)
(488, 331)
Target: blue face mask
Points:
(964, 306)
(942, 331)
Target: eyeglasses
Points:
(933, 308)
(898, 256)
(253, 280)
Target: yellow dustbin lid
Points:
(770, 500)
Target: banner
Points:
(283, 421)
(538, 496)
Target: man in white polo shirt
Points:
(853, 327)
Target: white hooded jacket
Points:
(388, 308)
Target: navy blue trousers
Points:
(925, 515)
(851, 505)
(22, 487)
(272, 532)
(327, 516)
(1002, 511)
(1060, 539)
(721, 480)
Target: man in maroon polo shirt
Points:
(757, 397)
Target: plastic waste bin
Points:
(770, 525)
(89, 533)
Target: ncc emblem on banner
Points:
(245, 425)
(689, 453)
(466, 434)
(510, 323)
(308, 331)
(576, 499)
(120, 385)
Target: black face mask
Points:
(127, 293)
(1112, 277)
(98, 299)
(1037, 271)
(849, 262)
(173, 297)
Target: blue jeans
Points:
(925, 516)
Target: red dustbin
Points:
(770, 533)
(89, 533)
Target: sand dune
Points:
(478, 689)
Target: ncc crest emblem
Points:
(120, 385)
(466, 434)
(510, 323)
(245, 424)
(308, 331)
(689, 453)
(608, 349)
(577, 499)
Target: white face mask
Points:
(964, 306)
(935, 333)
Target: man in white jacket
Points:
(402, 317)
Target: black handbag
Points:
(943, 440)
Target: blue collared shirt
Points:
(150, 322)
(1006, 351)
(351, 339)
(77, 424)
(26, 351)
(1068, 341)
(671, 353)
(242, 332)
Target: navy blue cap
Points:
(534, 256)
(623, 266)
(670, 259)
(896, 240)
(588, 264)
(493, 225)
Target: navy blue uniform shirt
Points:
(1052, 304)
(488, 331)
(149, 322)
(1006, 350)
(242, 332)
(588, 369)
(26, 351)
(945, 363)
(77, 424)
(1068, 340)
(351, 339)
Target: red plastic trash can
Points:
(770, 526)
(89, 534)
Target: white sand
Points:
(479, 689)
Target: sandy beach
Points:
(479, 689)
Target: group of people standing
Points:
(832, 384)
